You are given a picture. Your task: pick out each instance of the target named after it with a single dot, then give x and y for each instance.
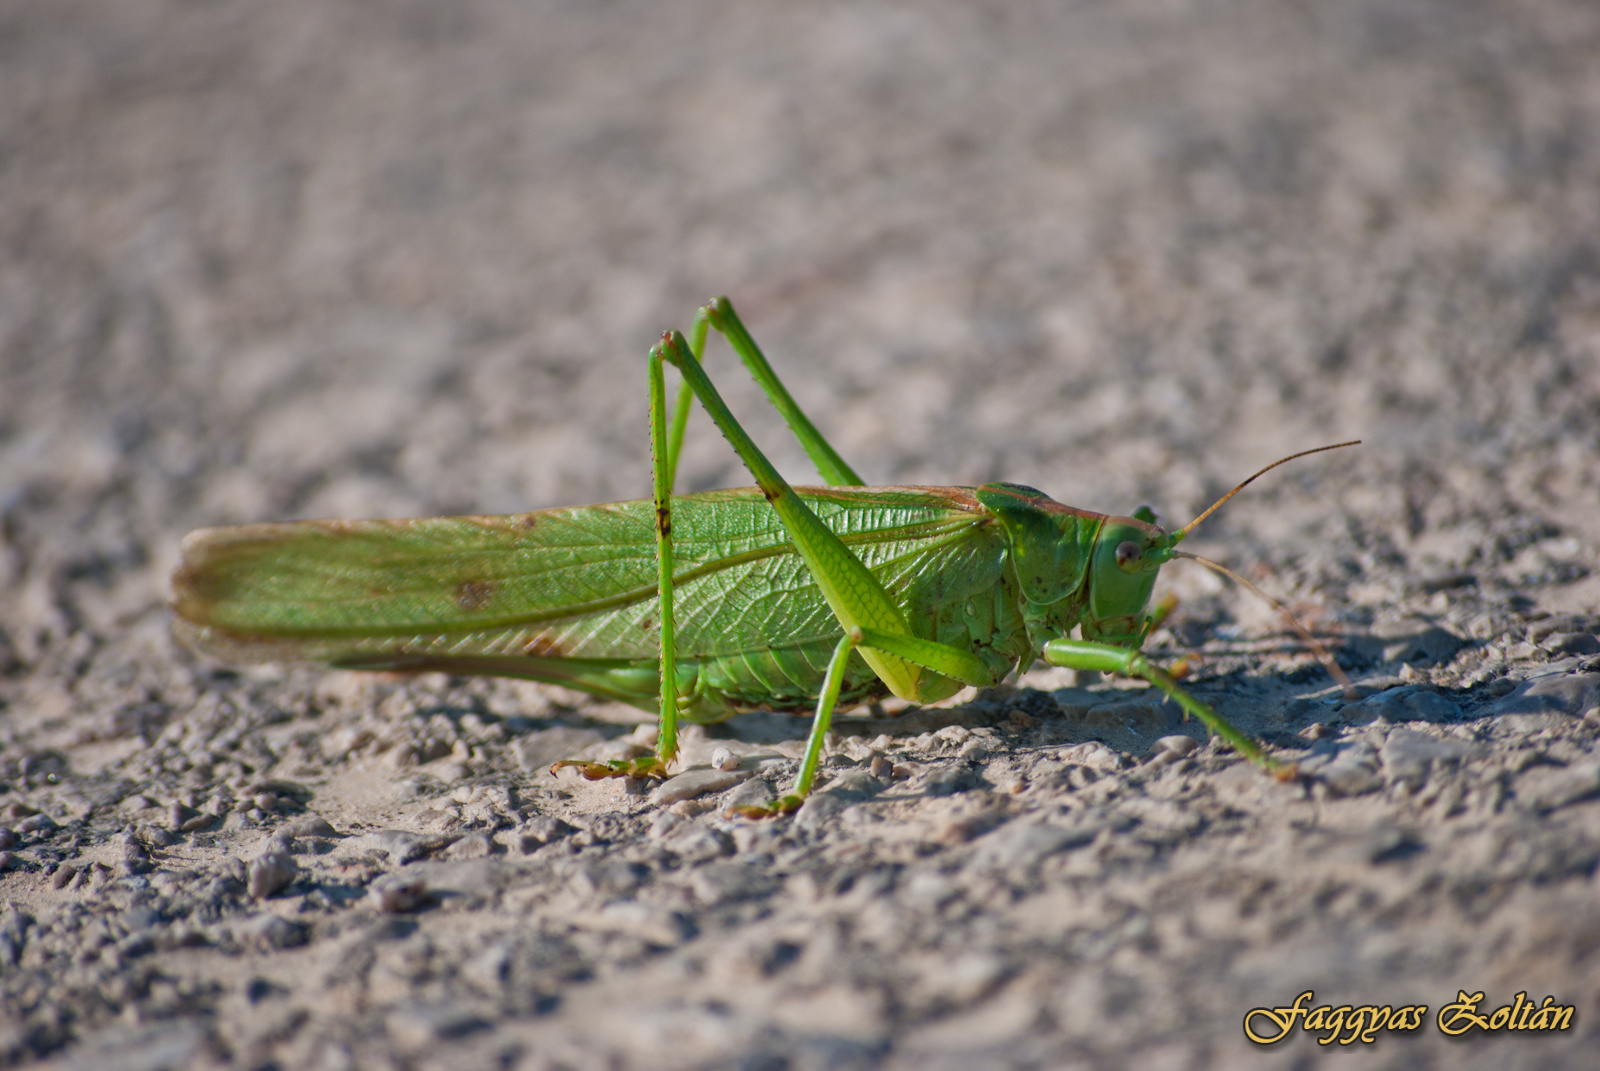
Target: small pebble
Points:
(753, 793)
(472, 846)
(402, 846)
(693, 783)
(450, 772)
(882, 768)
(1093, 754)
(665, 822)
(1520, 652)
(1352, 772)
(135, 860)
(271, 871)
(63, 876)
(312, 825)
(722, 759)
(1177, 744)
(1572, 643)
(541, 829)
(393, 894)
(268, 931)
(949, 780)
(38, 823)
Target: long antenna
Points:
(1321, 652)
(1186, 529)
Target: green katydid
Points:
(766, 597)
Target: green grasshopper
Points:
(767, 597)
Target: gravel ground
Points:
(265, 261)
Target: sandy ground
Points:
(299, 259)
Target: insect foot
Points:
(780, 806)
(644, 766)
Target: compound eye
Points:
(1129, 556)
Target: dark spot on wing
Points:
(474, 594)
(543, 646)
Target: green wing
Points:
(531, 593)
